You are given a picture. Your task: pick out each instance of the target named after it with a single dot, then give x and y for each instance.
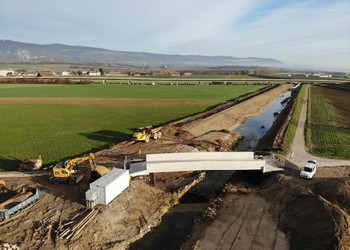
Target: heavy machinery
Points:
(69, 173)
(147, 133)
(3, 188)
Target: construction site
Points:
(120, 197)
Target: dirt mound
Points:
(309, 213)
(309, 219)
(336, 191)
(116, 222)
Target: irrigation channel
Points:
(177, 224)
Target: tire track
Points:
(249, 223)
(252, 243)
(240, 227)
(231, 224)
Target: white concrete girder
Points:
(200, 161)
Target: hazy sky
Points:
(301, 33)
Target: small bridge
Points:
(200, 161)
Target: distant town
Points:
(96, 72)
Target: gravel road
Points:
(299, 154)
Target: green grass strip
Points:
(222, 93)
(292, 127)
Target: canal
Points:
(176, 226)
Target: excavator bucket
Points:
(98, 172)
(102, 170)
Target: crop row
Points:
(324, 133)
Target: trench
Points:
(177, 224)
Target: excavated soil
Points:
(282, 212)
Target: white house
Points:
(94, 73)
(5, 72)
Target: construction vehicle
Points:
(147, 133)
(30, 164)
(3, 188)
(69, 172)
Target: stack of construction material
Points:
(77, 223)
(31, 164)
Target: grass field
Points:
(328, 124)
(61, 121)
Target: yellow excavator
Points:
(69, 173)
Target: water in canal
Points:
(256, 127)
(177, 224)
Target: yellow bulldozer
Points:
(69, 172)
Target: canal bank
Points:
(177, 225)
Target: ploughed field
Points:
(328, 130)
(62, 121)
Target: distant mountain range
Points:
(12, 51)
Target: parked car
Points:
(309, 170)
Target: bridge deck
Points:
(200, 161)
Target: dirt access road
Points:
(141, 206)
(299, 155)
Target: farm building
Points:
(6, 72)
(45, 74)
(94, 73)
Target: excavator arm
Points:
(78, 160)
(68, 173)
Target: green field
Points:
(220, 93)
(328, 123)
(61, 121)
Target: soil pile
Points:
(283, 212)
(316, 215)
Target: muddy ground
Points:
(296, 214)
(282, 212)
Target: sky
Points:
(303, 34)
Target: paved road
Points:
(299, 152)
